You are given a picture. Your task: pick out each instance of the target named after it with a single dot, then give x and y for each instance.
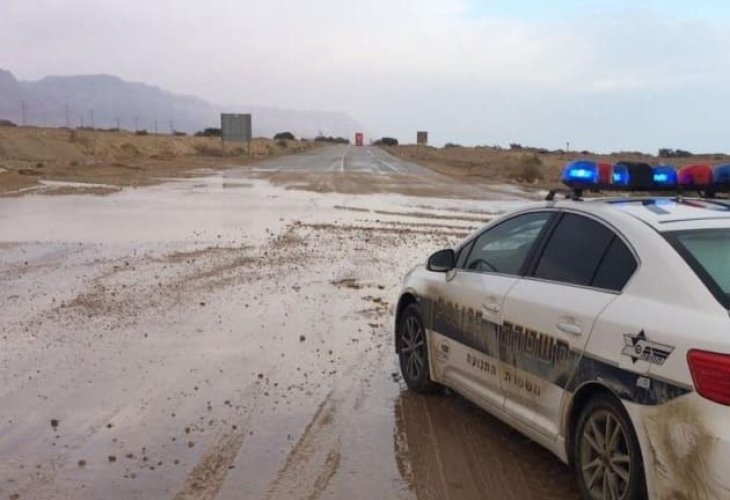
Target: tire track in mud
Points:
(447, 448)
(208, 475)
(305, 474)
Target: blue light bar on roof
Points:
(581, 172)
(633, 174)
(722, 174)
(582, 175)
(620, 176)
(665, 176)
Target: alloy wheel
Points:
(413, 348)
(604, 457)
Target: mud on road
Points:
(226, 338)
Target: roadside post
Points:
(421, 140)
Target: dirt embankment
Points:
(29, 155)
(522, 166)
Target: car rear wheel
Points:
(413, 352)
(606, 453)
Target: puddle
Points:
(196, 340)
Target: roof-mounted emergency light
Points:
(581, 175)
(695, 175)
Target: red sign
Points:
(359, 138)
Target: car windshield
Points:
(706, 250)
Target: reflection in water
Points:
(448, 448)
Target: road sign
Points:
(235, 127)
(359, 138)
(422, 137)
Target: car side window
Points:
(463, 254)
(582, 251)
(504, 248)
(617, 266)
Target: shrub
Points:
(530, 169)
(208, 149)
(387, 141)
(282, 143)
(209, 132)
(178, 133)
(515, 145)
(142, 132)
(673, 153)
(285, 136)
(7, 123)
(332, 140)
(450, 145)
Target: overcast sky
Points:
(602, 74)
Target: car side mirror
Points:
(442, 261)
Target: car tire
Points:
(413, 351)
(606, 454)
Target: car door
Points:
(467, 311)
(550, 314)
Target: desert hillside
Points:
(29, 155)
(528, 166)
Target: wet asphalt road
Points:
(343, 158)
(225, 338)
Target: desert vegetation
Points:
(29, 155)
(528, 165)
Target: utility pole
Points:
(136, 120)
(68, 119)
(155, 127)
(118, 124)
(81, 119)
(172, 128)
(23, 106)
(91, 115)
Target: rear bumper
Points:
(686, 447)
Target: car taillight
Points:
(711, 375)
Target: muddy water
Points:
(222, 338)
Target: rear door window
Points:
(582, 251)
(617, 267)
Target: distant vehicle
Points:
(359, 138)
(598, 328)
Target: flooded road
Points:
(223, 337)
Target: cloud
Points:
(400, 66)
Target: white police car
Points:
(598, 328)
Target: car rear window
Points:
(707, 251)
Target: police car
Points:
(599, 328)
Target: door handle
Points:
(571, 328)
(491, 307)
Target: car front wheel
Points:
(606, 453)
(413, 351)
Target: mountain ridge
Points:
(107, 101)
